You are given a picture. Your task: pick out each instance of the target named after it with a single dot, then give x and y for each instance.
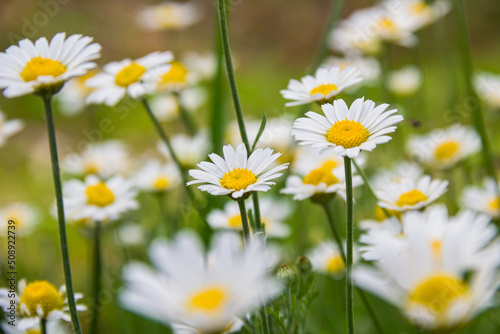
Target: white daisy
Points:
(202, 65)
(273, 215)
(98, 200)
(482, 199)
(131, 235)
(347, 131)
(128, 77)
(488, 88)
(444, 148)
(423, 272)
(9, 127)
(327, 259)
(405, 81)
(400, 171)
(33, 327)
(411, 193)
(189, 150)
(154, 176)
(322, 87)
(104, 159)
(44, 67)
(177, 78)
(25, 216)
(169, 15)
(167, 107)
(196, 295)
(237, 174)
(71, 99)
(368, 66)
(420, 13)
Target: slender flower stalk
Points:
(349, 237)
(362, 173)
(477, 111)
(43, 326)
(96, 278)
(244, 220)
(47, 101)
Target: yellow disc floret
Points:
(161, 183)
(446, 150)
(39, 66)
(129, 74)
(238, 179)
(177, 74)
(335, 264)
(321, 175)
(324, 89)
(208, 300)
(347, 134)
(44, 294)
(412, 197)
(99, 195)
(495, 204)
(235, 222)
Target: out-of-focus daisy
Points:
(488, 88)
(98, 200)
(130, 234)
(199, 297)
(33, 327)
(411, 193)
(128, 77)
(168, 107)
(447, 272)
(74, 94)
(9, 127)
(322, 87)
(25, 216)
(169, 15)
(347, 131)
(104, 159)
(154, 176)
(176, 78)
(44, 67)
(405, 81)
(273, 215)
(202, 66)
(326, 258)
(397, 173)
(237, 174)
(483, 199)
(444, 148)
(189, 150)
(38, 300)
(420, 13)
(368, 66)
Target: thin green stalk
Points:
(190, 124)
(477, 111)
(265, 322)
(362, 173)
(244, 220)
(43, 326)
(96, 278)
(349, 237)
(256, 213)
(47, 102)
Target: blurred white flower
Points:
(488, 88)
(130, 234)
(169, 15)
(189, 150)
(369, 67)
(203, 66)
(157, 177)
(327, 259)
(482, 199)
(175, 79)
(400, 171)
(72, 97)
(405, 81)
(25, 216)
(9, 127)
(419, 13)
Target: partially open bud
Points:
(304, 265)
(286, 274)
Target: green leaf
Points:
(261, 130)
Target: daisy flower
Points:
(420, 13)
(168, 107)
(25, 216)
(128, 77)
(322, 87)
(411, 193)
(38, 300)
(368, 66)
(488, 88)
(154, 176)
(445, 148)
(104, 159)
(44, 67)
(9, 128)
(273, 215)
(347, 131)
(169, 15)
(71, 99)
(237, 174)
(98, 200)
(429, 282)
(194, 296)
(327, 259)
(401, 170)
(175, 79)
(482, 199)
(131, 235)
(405, 81)
(201, 65)
(189, 150)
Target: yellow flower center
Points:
(99, 195)
(335, 264)
(387, 24)
(323, 89)
(347, 134)
(81, 81)
(238, 179)
(161, 183)
(33, 331)
(495, 204)
(129, 74)
(177, 74)
(420, 7)
(39, 66)
(446, 150)
(91, 168)
(321, 175)
(208, 300)
(380, 214)
(438, 292)
(44, 294)
(411, 198)
(235, 222)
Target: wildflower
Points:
(25, 216)
(488, 88)
(154, 176)
(9, 128)
(326, 258)
(169, 15)
(189, 150)
(405, 81)
(482, 199)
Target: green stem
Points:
(43, 326)
(265, 322)
(96, 279)
(190, 124)
(362, 173)
(47, 101)
(244, 220)
(477, 111)
(349, 237)
(256, 213)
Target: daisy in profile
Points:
(38, 300)
(169, 15)
(346, 131)
(411, 193)
(482, 199)
(196, 295)
(128, 77)
(273, 215)
(440, 272)
(445, 148)
(157, 177)
(9, 127)
(405, 81)
(25, 216)
(43, 67)
(189, 150)
(97, 200)
(237, 175)
(327, 259)
(322, 87)
(103, 159)
(487, 86)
